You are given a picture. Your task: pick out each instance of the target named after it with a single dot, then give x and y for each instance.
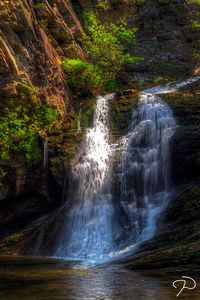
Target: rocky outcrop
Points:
(186, 141)
(34, 36)
(166, 38)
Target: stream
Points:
(32, 278)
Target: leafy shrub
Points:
(82, 76)
(123, 33)
(112, 85)
(106, 49)
(104, 45)
(20, 124)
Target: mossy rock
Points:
(66, 144)
(121, 110)
(186, 106)
(173, 71)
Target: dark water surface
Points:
(46, 278)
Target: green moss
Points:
(81, 118)
(121, 110)
(83, 113)
(102, 5)
(196, 24)
(173, 71)
(187, 106)
(44, 22)
(25, 91)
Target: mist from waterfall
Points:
(93, 229)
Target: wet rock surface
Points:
(186, 141)
(176, 247)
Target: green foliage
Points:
(112, 85)
(128, 59)
(196, 24)
(25, 91)
(102, 5)
(196, 1)
(86, 115)
(48, 115)
(82, 76)
(102, 47)
(196, 57)
(160, 80)
(20, 124)
(44, 22)
(106, 49)
(106, 45)
(123, 33)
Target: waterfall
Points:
(145, 166)
(94, 228)
(88, 232)
(144, 170)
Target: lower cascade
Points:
(93, 229)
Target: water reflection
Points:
(40, 278)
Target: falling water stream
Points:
(145, 167)
(144, 180)
(45, 153)
(88, 232)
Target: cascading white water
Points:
(145, 165)
(88, 232)
(93, 230)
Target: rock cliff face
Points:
(186, 141)
(34, 36)
(167, 36)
